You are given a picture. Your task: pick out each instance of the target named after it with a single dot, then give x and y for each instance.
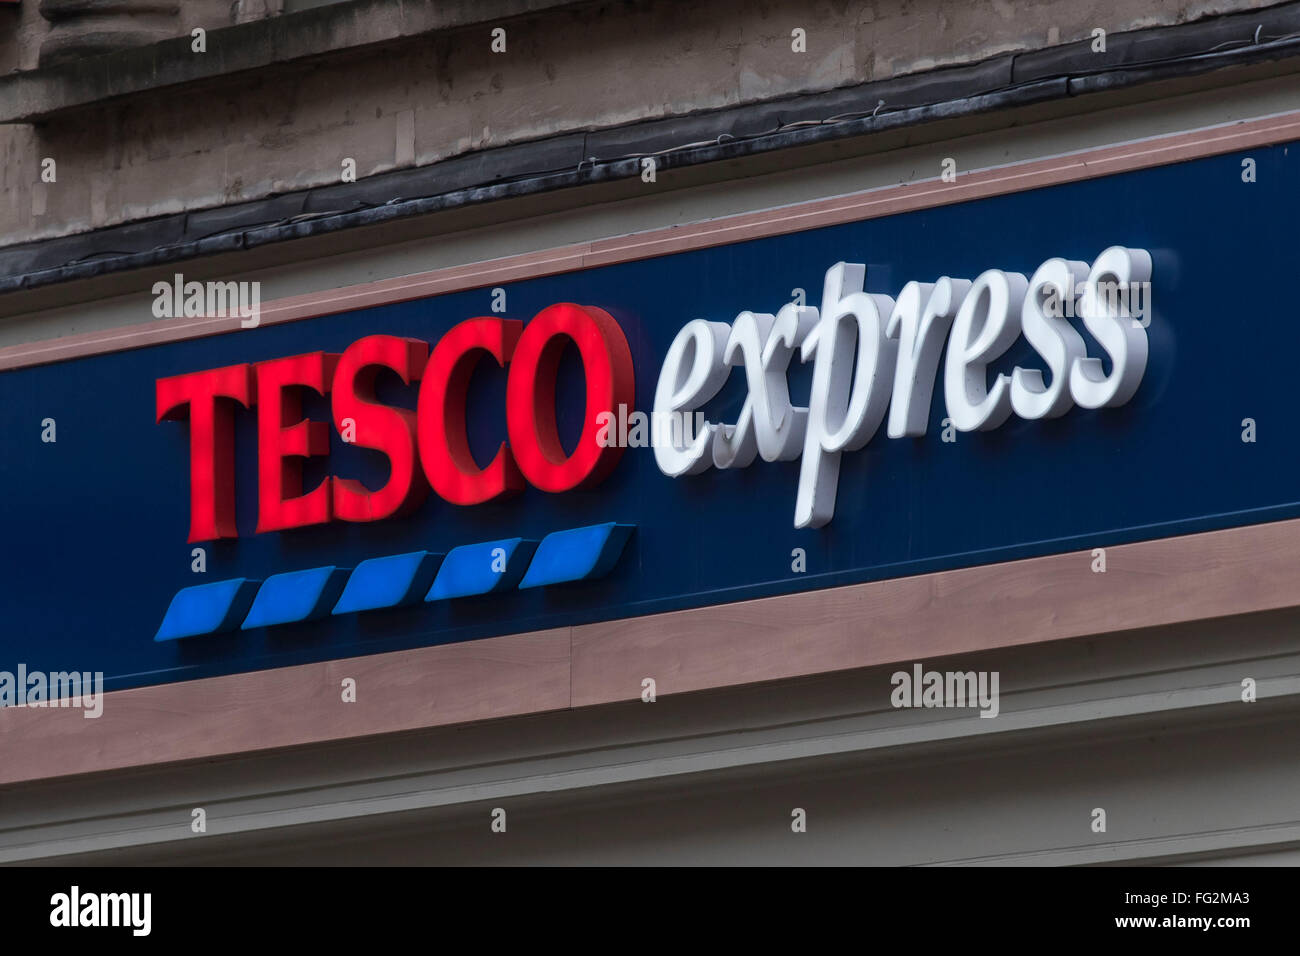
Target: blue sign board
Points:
(96, 569)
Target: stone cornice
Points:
(43, 94)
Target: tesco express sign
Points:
(872, 355)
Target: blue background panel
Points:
(95, 525)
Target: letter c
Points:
(444, 446)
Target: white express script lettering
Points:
(873, 355)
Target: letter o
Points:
(530, 395)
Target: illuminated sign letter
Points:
(444, 445)
(845, 405)
(986, 325)
(377, 426)
(530, 395)
(920, 321)
(768, 425)
(1116, 274)
(1042, 318)
(692, 373)
(284, 438)
(206, 399)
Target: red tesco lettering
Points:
(427, 449)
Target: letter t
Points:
(206, 398)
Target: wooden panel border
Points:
(289, 706)
(1146, 584)
(853, 207)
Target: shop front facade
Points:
(892, 468)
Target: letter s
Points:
(1052, 337)
(385, 429)
(1124, 340)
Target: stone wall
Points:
(416, 101)
(44, 32)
